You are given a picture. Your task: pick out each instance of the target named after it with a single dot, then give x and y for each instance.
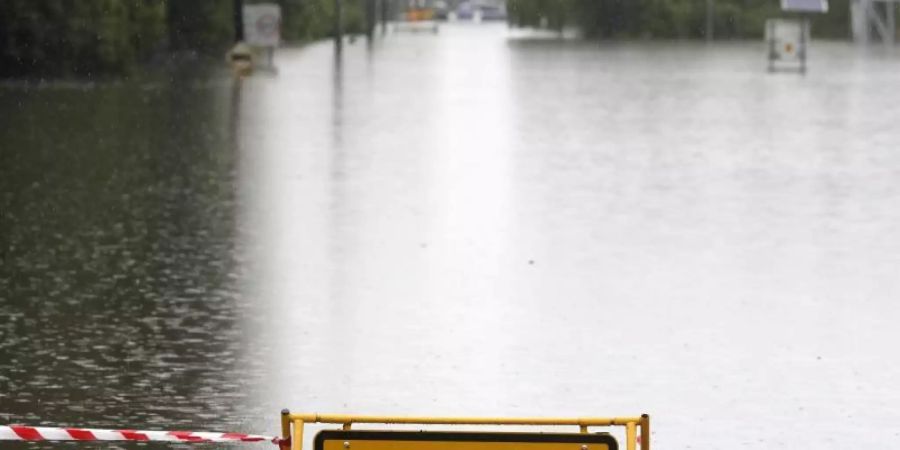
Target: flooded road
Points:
(477, 222)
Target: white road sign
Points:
(262, 24)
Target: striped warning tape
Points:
(23, 433)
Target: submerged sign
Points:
(422, 440)
(787, 41)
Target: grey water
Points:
(474, 222)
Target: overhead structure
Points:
(787, 38)
(873, 18)
(805, 6)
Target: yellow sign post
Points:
(347, 439)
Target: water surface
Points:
(475, 222)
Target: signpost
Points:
(262, 27)
(788, 38)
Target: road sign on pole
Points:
(787, 40)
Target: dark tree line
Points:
(88, 37)
(681, 19)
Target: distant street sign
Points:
(809, 6)
(262, 24)
(787, 41)
(422, 440)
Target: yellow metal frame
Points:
(292, 424)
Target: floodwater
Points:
(476, 222)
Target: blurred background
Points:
(530, 207)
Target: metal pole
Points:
(630, 436)
(891, 19)
(238, 16)
(297, 438)
(428, 420)
(285, 429)
(370, 18)
(645, 432)
(338, 24)
(384, 16)
(770, 36)
(710, 24)
(859, 17)
(804, 43)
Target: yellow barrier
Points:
(418, 15)
(298, 421)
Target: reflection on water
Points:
(462, 224)
(118, 277)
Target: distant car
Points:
(472, 11)
(465, 11)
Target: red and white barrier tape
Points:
(23, 433)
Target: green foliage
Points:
(835, 24)
(304, 20)
(52, 37)
(88, 37)
(206, 26)
(553, 14)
